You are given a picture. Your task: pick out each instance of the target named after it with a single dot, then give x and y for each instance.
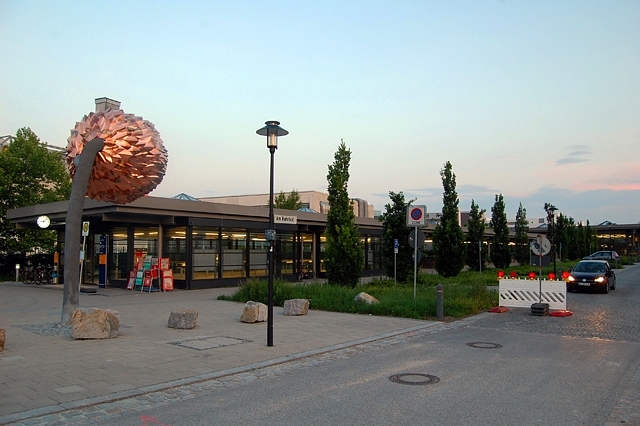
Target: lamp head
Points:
(272, 130)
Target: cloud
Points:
(577, 154)
(571, 160)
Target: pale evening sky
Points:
(537, 100)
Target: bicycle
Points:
(44, 274)
(29, 275)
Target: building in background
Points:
(314, 200)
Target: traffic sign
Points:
(541, 245)
(416, 215)
(413, 240)
(396, 243)
(85, 229)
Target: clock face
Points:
(43, 221)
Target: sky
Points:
(536, 100)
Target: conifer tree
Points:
(500, 253)
(448, 237)
(344, 255)
(522, 249)
(394, 226)
(475, 235)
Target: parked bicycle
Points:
(44, 274)
(29, 275)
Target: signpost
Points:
(416, 216)
(396, 245)
(540, 246)
(85, 234)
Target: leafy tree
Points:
(560, 234)
(523, 255)
(500, 253)
(394, 226)
(590, 239)
(475, 234)
(344, 255)
(550, 209)
(290, 201)
(448, 237)
(29, 174)
(581, 241)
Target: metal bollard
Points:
(439, 302)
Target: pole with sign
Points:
(85, 233)
(416, 217)
(396, 244)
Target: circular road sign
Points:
(540, 246)
(413, 240)
(416, 213)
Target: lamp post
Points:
(272, 130)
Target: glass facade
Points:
(234, 253)
(205, 244)
(174, 246)
(258, 255)
(206, 254)
(120, 267)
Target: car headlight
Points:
(600, 280)
(571, 278)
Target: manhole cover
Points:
(484, 345)
(414, 379)
(209, 342)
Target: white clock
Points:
(43, 221)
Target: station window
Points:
(205, 244)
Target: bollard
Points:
(439, 303)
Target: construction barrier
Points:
(522, 293)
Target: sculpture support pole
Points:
(73, 228)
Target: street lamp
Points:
(272, 130)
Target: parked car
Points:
(592, 274)
(603, 255)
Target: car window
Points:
(580, 267)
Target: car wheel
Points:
(613, 287)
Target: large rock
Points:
(254, 312)
(93, 323)
(296, 307)
(365, 298)
(185, 320)
(3, 337)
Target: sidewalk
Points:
(43, 370)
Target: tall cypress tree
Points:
(475, 234)
(523, 256)
(448, 237)
(500, 253)
(344, 256)
(394, 226)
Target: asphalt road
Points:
(501, 369)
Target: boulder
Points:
(184, 320)
(254, 312)
(365, 298)
(93, 323)
(3, 337)
(296, 307)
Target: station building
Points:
(208, 244)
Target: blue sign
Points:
(396, 243)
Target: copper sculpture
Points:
(132, 162)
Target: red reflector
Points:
(560, 313)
